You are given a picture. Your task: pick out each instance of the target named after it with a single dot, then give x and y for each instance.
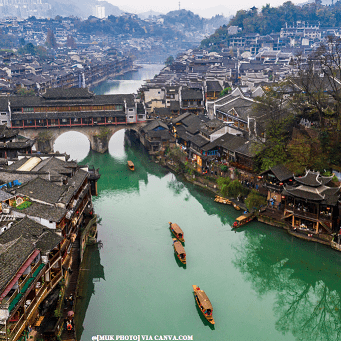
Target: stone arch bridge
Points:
(99, 136)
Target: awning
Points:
(19, 273)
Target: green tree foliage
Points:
(234, 189)
(169, 61)
(33, 50)
(254, 201)
(51, 39)
(274, 115)
(25, 92)
(225, 92)
(223, 184)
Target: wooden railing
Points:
(56, 279)
(54, 258)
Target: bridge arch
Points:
(98, 136)
(74, 143)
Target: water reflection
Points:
(116, 146)
(303, 279)
(175, 186)
(73, 143)
(129, 82)
(90, 274)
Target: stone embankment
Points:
(268, 216)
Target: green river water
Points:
(263, 283)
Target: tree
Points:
(223, 185)
(169, 61)
(25, 92)
(273, 114)
(234, 189)
(70, 42)
(224, 92)
(254, 200)
(50, 39)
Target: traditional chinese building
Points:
(73, 107)
(311, 206)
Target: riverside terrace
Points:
(71, 107)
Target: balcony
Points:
(54, 258)
(25, 286)
(56, 277)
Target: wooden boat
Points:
(203, 303)
(243, 219)
(236, 207)
(222, 200)
(131, 165)
(179, 251)
(176, 230)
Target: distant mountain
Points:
(80, 8)
(148, 14)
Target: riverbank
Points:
(268, 215)
(112, 76)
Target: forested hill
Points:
(271, 19)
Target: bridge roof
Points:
(70, 114)
(74, 93)
(35, 101)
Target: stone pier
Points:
(98, 136)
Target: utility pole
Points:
(179, 5)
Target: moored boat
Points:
(243, 219)
(131, 165)
(179, 251)
(236, 207)
(176, 230)
(222, 200)
(203, 303)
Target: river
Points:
(263, 283)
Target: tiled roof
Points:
(213, 86)
(313, 179)
(42, 237)
(325, 195)
(189, 94)
(74, 93)
(47, 212)
(227, 141)
(42, 190)
(281, 172)
(13, 254)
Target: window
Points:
(130, 109)
(131, 117)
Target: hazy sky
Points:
(205, 8)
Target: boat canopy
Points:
(244, 216)
(177, 229)
(179, 248)
(203, 299)
(130, 164)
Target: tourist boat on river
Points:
(176, 230)
(131, 165)
(179, 251)
(243, 219)
(236, 207)
(203, 303)
(222, 200)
